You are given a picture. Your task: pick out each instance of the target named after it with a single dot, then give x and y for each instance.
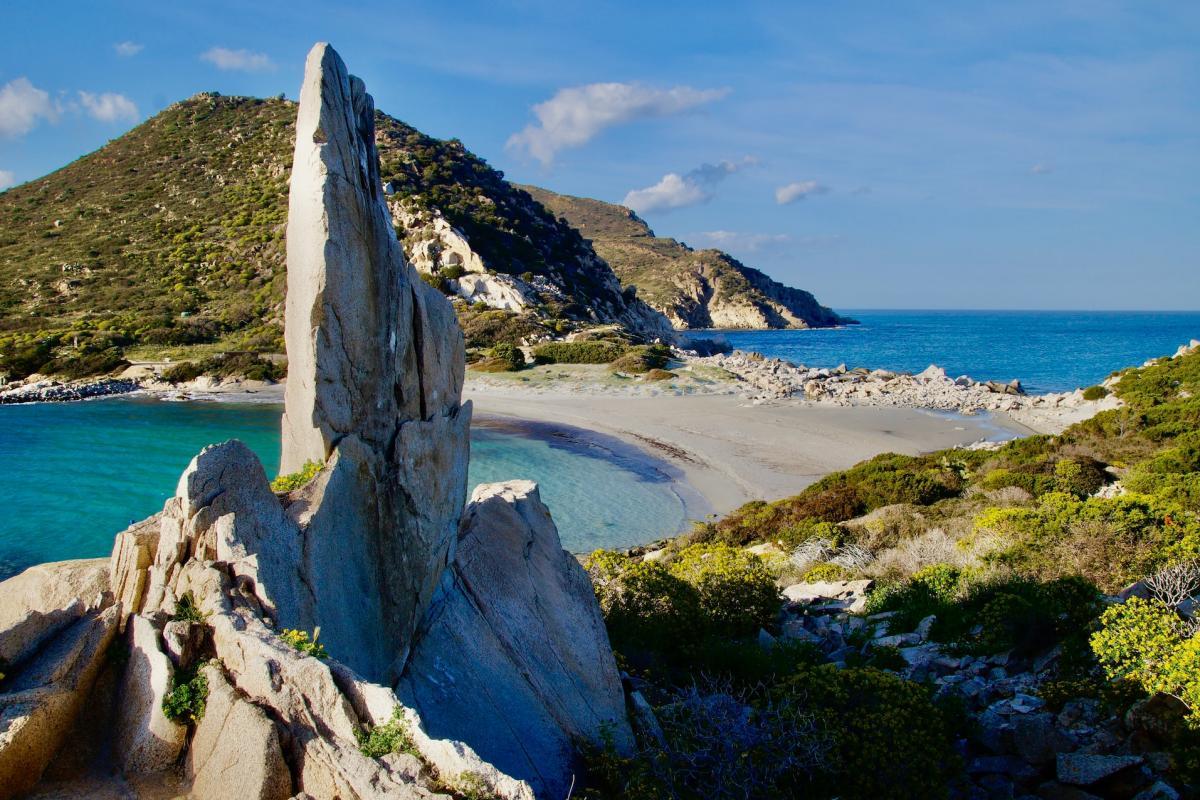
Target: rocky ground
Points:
(774, 378)
(1021, 748)
(40, 389)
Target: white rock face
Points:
(496, 291)
(432, 242)
(41, 701)
(376, 367)
(146, 740)
(236, 750)
(44, 599)
(513, 656)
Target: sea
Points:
(75, 474)
(1048, 351)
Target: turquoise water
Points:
(1049, 351)
(75, 474)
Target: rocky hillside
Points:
(173, 235)
(694, 288)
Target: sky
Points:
(879, 154)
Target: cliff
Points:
(693, 288)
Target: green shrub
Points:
(393, 736)
(691, 610)
(452, 272)
(825, 572)
(186, 609)
(182, 372)
(1137, 640)
(736, 592)
(643, 359)
(300, 640)
(645, 607)
(660, 375)
(1079, 476)
(889, 738)
(187, 695)
(594, 352)
(293, 481)
(506, 357)
(1095, 393)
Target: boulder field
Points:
(253, 644)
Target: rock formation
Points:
(489, 630)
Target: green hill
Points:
(173, 236)
(694, 288)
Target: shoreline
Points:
(719, 447)
(729, 451)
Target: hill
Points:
(694, 288)
(173, 236)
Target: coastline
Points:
(730, 451)
(719, 447)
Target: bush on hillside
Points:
(1094, 393)
(706, 594)
(643, 359)
(889, 739)
(597, 352)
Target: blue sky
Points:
(879, 154)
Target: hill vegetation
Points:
(998, 557)
(172, 236)
(694, 288)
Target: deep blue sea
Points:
(75, 474)
(1049, 351)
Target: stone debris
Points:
(773, 379)
(1021, 748)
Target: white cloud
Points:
(752, 242)
(108, 106)
(673, 191)
(573, 116)
(678, 191)
(22, 105)
(798, 191)
(7, 179)
(242, 60)
(127, 49)
(1041, 168)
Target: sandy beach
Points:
(720, 447)
(730, 451)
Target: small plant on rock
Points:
(185, 701)
(293, 481)
(186, 609)
(301, 641)
(393, 736)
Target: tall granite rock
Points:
(486, 627)
(375, 370)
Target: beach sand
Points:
(720, 449)
(729, 451)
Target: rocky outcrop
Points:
(40, 389)
(211, 689)
(45, 694)
(773, 378)
(376, 367)
(44, 599)
(513, 655)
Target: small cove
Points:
(75, 474)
